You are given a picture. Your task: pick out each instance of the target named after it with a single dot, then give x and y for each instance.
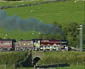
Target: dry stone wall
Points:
(28, 5)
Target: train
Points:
(34, 44)
(7, 44)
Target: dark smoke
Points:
(11, 23)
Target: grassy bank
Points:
(11, 60)
(72, 58)
(12, 57)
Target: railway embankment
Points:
(42, 59)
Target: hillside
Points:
(61, 12)
(66, 15)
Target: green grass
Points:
(15, 57)
(61, 12)
(3, 66)
(72, 58)
(18, 35)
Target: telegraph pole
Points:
(81, 38)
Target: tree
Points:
(72, 35)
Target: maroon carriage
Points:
(7, 44)
(56, 45)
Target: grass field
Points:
(61, 12)
(19, 35)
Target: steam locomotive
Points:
(34, 44)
